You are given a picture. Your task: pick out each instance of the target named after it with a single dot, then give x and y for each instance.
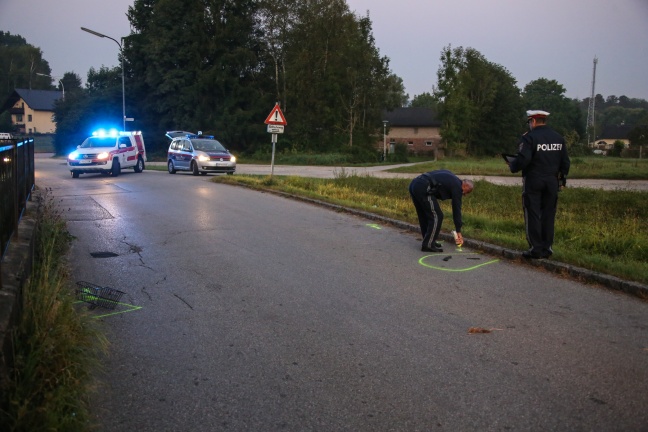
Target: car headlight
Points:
(73, 156)
(233, 159)
(102, 155)
(203, 158)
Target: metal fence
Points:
(16, 185)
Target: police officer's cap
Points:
(536, 114)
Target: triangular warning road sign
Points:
(276, 117)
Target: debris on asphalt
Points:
(475, 330)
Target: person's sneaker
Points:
(431, 249)
(437, 244)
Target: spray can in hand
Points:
(458, 242)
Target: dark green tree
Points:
(5, 122)
(454, 104)
(99, 105)
(71, 83)
(334, 79)
(498, 123)
(617, 116)
(201, 72)
(220, 65)
(277, 19)
(19, 64)
(479, 103)
(424, 100)
(617, 149)
(638, 136)
(549, 95)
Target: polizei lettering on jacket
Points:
(549, 147)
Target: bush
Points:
(399, 155)
(580, 149)
(617, 148)
(56, 346)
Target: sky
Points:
(552, 39)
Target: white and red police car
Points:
(107, 152)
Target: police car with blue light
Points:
(198, 154)
(108, 152)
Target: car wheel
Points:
(75, 174)
(139, 166)
(116, 168)
(194, 168)
(171, 168)
(230, 173)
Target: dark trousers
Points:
(428, 210)
(539, 199)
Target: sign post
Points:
(274, 142)
(276, 122)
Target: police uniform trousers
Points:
(540, 198)
(428, 210)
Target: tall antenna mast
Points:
(591, 110)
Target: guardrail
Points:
(16, 185)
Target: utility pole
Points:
(591, 110)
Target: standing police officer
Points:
(425, 190)
(542, 158)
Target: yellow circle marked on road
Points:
(453, 256)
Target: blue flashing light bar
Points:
(103, 133)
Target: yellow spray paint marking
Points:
(130, 308)
(374, 226)
(424, 264)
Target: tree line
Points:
(219, 66)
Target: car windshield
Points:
(207, 145)
(99, 142)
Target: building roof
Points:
(412, 117)
(39, 100)
(615, 132)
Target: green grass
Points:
(603, 231)
(56, 345)
(586, 167)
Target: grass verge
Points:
(56, 345)
(586, 167)
(604, 231)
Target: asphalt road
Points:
(246, 311)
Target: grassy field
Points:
(604, 231)
(589, 167)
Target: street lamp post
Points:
(385, 139)
(59, 80)
(121, 55)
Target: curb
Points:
(577, 273)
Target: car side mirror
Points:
(122, 145)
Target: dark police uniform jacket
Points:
(541, 153)
(446, 185)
